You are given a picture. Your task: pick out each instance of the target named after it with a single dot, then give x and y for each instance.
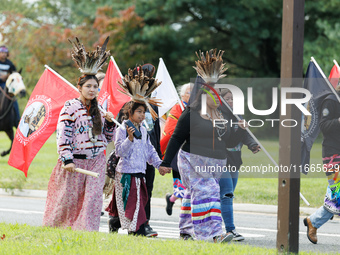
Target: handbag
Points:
(111, 165)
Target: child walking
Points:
(130, 193)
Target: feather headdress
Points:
(89, 62)
(210, 66)
(139, 84)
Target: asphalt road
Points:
(259, 229)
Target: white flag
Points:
(166, 91)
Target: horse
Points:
(14, 86)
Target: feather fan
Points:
(139, 84)
(210, 66)
(89, 62)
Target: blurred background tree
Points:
(143, 31)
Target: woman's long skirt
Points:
(200, 214)
(73, 199)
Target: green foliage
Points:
(322, 33)
(13, 182)
(16, 6)
(232, 26)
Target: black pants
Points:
(150, 177)
(176, 174)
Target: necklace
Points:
(93, 138)
(220, 129)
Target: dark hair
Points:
(196, 100)
(129, 109)
(94, 110)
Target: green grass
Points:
(256, 188)
(263, 188)
(39, 171)
(26, 240)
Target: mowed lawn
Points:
(27, 240)
(256, 187)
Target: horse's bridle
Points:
(4, 92)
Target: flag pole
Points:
(114, 62)
(258, 142)
(61, 77)
(180, 104)
(113, 119)
(250, 133)
(336, 63)
(327, 81)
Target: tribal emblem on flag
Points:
(34, 119)
(310, 122)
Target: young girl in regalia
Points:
(83, 132)
(130, 192)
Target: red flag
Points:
(109, 97)
(334, 76)
(39, 119)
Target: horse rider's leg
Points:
(10, 134)
(17, 113)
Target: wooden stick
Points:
(83, 171)
(90, 173)
(104, 112)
